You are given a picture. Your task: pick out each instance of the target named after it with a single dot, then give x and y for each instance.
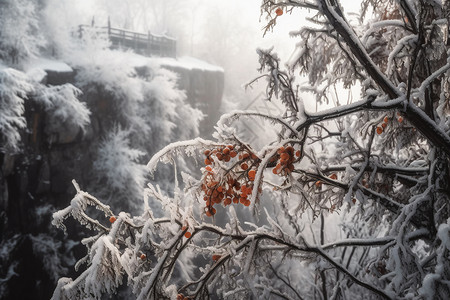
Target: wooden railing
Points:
(145, 44)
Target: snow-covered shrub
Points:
(111, 73)
(117, 166)
(20, 34)
(14, 87)
(48, 250)
(63, 107)
(381, 161)
(171, 116)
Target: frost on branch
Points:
(355, 197)
(14, 87)
(117, 165)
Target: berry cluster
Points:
(187, 234)
(383, 125)
(381, 128)
(233, 186)
(286, 160)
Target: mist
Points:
(224, 33)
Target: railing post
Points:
(149, 36)
(109, 26)
(174, 48)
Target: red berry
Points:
(251, 175)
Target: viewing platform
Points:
(144, 44)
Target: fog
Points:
(225, 33)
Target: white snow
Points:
(47, 64)
(184, 62)
(189, 63)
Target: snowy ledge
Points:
(184, 62)
(38, 68)
(187, 62)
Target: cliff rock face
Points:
(37, 181)
(203, 83)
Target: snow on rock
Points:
(184, 62)
(190, 63)
(47, 64)
(46, 70)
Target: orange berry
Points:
(208, 213)
(187, 234)
(248, 190)
(254, 156)
(279, 11)
(226, 158)
(284, 156)
(244, 166)
(231, 147)
(143, 256)
(290, 149)
(383, 125)
(180, 297)
(275, 170)
(219, 155)
(216, 257)
(233, 153)
(333, 176)
(112, 219)
(226, 151)
(247, 203)
(379, 130)
(386, 119)
(208, 168)
(281, 150)
(354, 200)
(220, 189)
(207, 161)
(318, 183)
(227, 201)
(298, 153)
(400, 119)
(207, 152)
(251, 175)
(183, 228)
(245, 156)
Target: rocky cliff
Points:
(36, 181)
